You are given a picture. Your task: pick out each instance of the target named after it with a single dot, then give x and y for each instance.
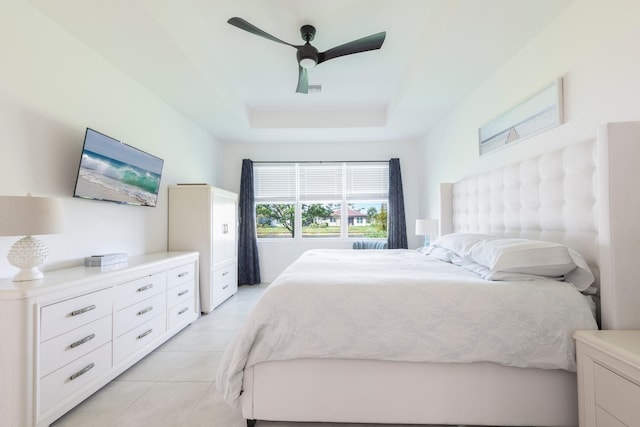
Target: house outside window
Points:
(321, 200)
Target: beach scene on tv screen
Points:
(112, 171)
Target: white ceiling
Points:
(241, 87)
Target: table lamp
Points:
(28, 216)
(426, 228)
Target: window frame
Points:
(344, 201)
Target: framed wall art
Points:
(541, 112)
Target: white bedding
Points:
(401, 305)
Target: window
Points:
(321, 200)
(367, 195)
(275, 194)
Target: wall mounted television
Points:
(113, 171)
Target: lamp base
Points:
(27, 274)
(27, 254)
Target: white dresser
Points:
(204, 218)
(69, 334)
(608, 378)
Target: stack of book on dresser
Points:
(105, 260)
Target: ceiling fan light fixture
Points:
(307, 63)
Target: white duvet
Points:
(401, 305)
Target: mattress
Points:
(402, 305)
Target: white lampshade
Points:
(427, 228)
(28, 216)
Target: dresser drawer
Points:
(132, 292)
(181, 274)
(224, 283)
(616, 395)
(56, 386)
(180, 293)
(223, 275)
(67, 347)
(61, 317)
(182, 313)
(138, 337)
(135, 315)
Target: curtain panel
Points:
(248, 261)
(397, 230)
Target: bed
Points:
(568, 196)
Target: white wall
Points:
(276, 255)
(593, 45)
(51, 88)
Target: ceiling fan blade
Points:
(303, 81)
(364, 44)
(244, 25)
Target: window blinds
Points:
(274, 182)
(317, 182)
(367, 181)
(320, 182)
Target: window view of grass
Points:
(275, 220)
(367, 220)
(322, 220)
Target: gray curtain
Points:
(248, 262)
(397, 231)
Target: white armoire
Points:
(204, 218)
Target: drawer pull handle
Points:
(225, 287)
(183, 293)
(83, 340)
(144, 288)
(225, 273)
(183, 311)
(146, 310)
(82, 371)
(83, 310)
(144, 334)
(185, 273)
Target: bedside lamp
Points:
(426, 228)
(28, 216)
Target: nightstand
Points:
(608, 378)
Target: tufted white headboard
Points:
(584, 195)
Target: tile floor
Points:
(174, 385)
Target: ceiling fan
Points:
(307, 55)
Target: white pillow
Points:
(582, 277)
(499, 276)
(533, 257)
(460, 243)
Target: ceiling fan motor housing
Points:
(308, 32)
